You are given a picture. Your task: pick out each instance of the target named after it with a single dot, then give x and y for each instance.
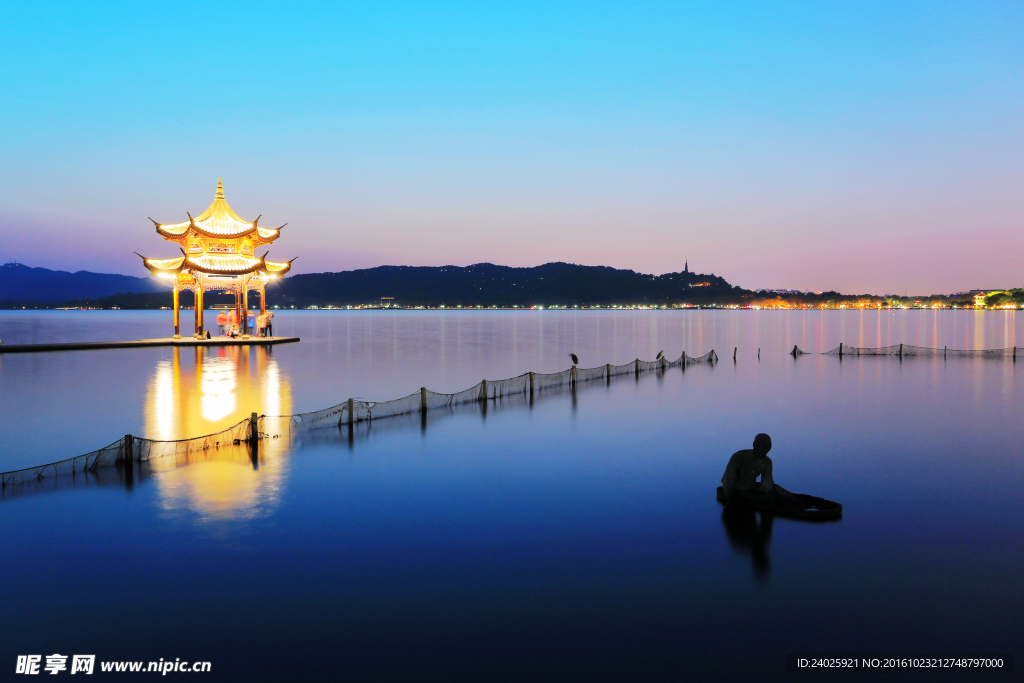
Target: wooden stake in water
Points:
(129, 460)
(254, 440)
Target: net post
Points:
(684, 361)
(531, 383)
(840, 349)
(901, 350)
(483, 390)
(243, 324)
(254, 440)
(128, 461)
(351, 410)
(607, 373)
(572, 377)
(759, 353)
(734, 353)
(423, 399)
(637, 366)
(1014, 354)
(177, 314)
(944, 353)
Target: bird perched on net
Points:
(575, 360)
(661, 354)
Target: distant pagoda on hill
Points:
(218, 254)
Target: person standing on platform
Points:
(270, 323)
(222, 322)
(250, 322)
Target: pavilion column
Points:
(177, 320)
(238, 309)
(199, 309)
(245, 311)
(263, 298)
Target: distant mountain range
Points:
(483, 284)
(22, 283)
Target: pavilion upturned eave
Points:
(218, 221)
(177, 232)
(224, 265)
(215, 265)
(279, 269)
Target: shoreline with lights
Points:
(553, 286)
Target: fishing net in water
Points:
(911, 350)
(626, 369)
(147, 449)
(349, 412)
(542, 381)
(709, 357)
(104, 457)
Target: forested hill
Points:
(485, 284)
(20, 282)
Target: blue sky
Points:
(856, 146)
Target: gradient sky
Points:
(864, 147)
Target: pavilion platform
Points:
(184, 341)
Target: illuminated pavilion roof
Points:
(219, 220)
(215, 265)
(219, 242)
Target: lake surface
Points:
(576, 536)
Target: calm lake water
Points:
(574, 537)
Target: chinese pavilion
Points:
(218, 253)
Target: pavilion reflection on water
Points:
(202, 390)
(218, 253)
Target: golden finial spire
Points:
(220, 190)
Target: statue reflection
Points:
(203, 391)
(750, 531)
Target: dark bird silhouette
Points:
(661, 354)
(575, 360)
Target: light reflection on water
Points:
(204, 390)
(202, 396)
(56, 405)
(580, 530)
